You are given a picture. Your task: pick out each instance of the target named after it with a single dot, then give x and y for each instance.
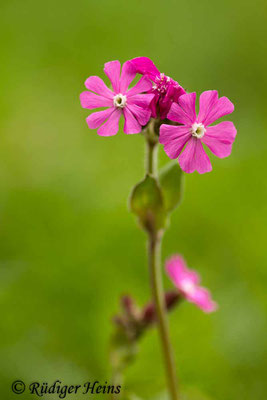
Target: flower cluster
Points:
(182, 132)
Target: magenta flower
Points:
(132, 103)
(165, 89)
(187, 281)
(196, 130)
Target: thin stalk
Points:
(151, 158)
(154, 245)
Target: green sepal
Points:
(146, 201)
(171, 181)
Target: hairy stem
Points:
(154, 245)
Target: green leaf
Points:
(171, 183)
(146, 202)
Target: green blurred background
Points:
(68, 245)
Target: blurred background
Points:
(68, 245)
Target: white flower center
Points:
(198, 130)
(188, 287)
(119, 100)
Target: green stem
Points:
(154, 245)
(150, 157)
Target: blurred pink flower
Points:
(187, 281)
(165, 89)
(195, 130)
(132, 103)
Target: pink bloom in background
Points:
(165, 89)
(132, 103)
(196, 130)
(187, 281)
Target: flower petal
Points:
(128, 73)
(131, 124)
(145, 66)
(183, 112)
(211, 107)
(112, 70)
(223, 107)
(91, 100)
(176, 267)
(188, 103)
(154, 105)
(98, 86)
(202, 298)
(219, 138)
(142, 100)
(178, 91)
(207, 100)
(96, 119)
(165, 102)
(141, 114)
(111, 126)
(194, 158)
(143, 85)
(174, 139)
(187, 282)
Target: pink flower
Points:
(165, 89)
(187, 281)
(120, 100)
(196, 130)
